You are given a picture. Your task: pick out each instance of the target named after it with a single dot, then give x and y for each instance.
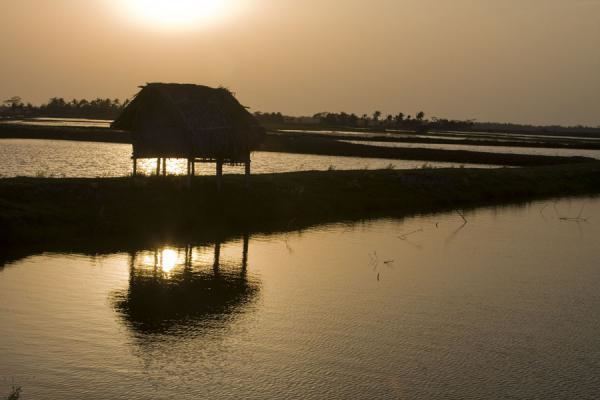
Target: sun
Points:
(177, 14)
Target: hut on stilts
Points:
(193, 122)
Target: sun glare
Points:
(177, 14)
(169, 260)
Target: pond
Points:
(540, 151)
(55, 158)
(502, 304)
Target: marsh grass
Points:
(38, 210)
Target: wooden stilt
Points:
(157, 166)
(188, 256)
(247, 173)
(134, 166)
(164, 167)
(132, 262)
(189, 173)
(219, 174)
(245, 252)
(193, 167)
(217, 261)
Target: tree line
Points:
(60, 108)
(376, 120)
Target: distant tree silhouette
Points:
(376, 116)
(99, 108)
(14, 102)
(61, 108)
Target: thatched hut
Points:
(193, 122)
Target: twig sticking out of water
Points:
(454, 234)
(462, 215)
(406, 235)
(578, 218)
(374, 262)
(555, 210)
(574, 219)
(289, 248)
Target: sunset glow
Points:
(177, 14)
(271, 199)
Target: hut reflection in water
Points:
(172, 289)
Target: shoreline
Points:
(45, 212)
(109, 135)
(310, 144)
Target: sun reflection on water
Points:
(169, 260)
(180, 290)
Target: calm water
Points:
(24, 157)
(73, 122)
(503, 307)
(488, 149)
(454, 135)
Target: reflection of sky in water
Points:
(451, 135)
(24, 157)
(73, 122)
(503, 306)
(487, 149)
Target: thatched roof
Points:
(186, 121)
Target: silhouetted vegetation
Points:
(407, 122)
(46, 211)
(58, 107)
(375, 121)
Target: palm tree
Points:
(14, 102)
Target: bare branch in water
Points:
(578, 218)
(403, 237)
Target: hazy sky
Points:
(535, 61)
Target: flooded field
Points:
(487, 149)
(68, 122)
(479, 136)
(503, 305)
(54, 158)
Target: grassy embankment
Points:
(149, 210)
(43, 213)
